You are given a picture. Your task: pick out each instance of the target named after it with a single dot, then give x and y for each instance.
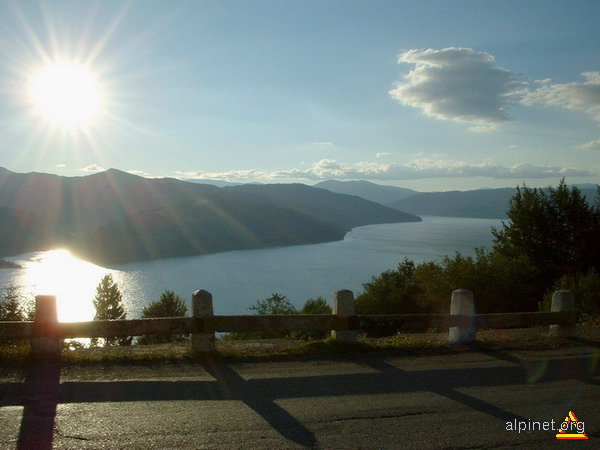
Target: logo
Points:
(571, 424)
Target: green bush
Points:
(278, 304)
(316, 306)
(585, 288)
(313, 306)
(555, 230)
(11, 309)
(498, 283)
(14, 309)
(392, 292)
(275, 304)
(169, 305)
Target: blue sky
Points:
(427, 95)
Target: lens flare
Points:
(66, 94)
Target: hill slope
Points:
(115, 217)
(345, 211)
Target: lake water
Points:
(238, 278)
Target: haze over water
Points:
(238, 278)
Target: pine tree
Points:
(109, 306)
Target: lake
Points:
(238, 278)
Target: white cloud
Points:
(93, 168)
(322, 144)
(414, 170)
(382, 154)
(231, 175)
(140, 173)
(592, 145)
(458, 84)
(578, 96)
(61, 165)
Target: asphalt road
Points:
(461, 400)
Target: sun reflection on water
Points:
(72, 280)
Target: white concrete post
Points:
(46, 318)
(343, 305)
(462, 304)
(563, 301)
(202, 307)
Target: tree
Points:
(316, 306)
(586, 290)
(392, 292)
(555, 230)
(313, 306)
(169, 305)
(14, 309)
(10, 306)
(109, 306)
(275, 304)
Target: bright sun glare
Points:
(72, 280)
(66, 94)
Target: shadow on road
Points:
(232, 384)
(42, 391)
(41, 397)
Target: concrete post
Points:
(46, 318)
(202, 307)
(343, 305)
(563, 301)
(462, 304)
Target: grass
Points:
(18, 354)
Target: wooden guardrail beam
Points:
(291, 322)
(525, 319)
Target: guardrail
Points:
(46, 333)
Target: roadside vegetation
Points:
(551, 241)
(169, 305)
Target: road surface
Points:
(460, 400)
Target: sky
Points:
(429, 95)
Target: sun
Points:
(66, 94)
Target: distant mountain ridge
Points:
(115, 217)
(370, 191)
(478, 203)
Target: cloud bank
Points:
(93, 168)
(458, 84)
(592, 145)
(414, 170)
(577, 96)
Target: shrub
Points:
(169, 305)
(392, 292)
(11, 308)
(313, 306)
(585, 288)
(275, 304)
(316, 306)
(14, 309)
(278, 304)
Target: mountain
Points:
(115, 217)
(367, 190)
(345, 211)
(478, 203)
